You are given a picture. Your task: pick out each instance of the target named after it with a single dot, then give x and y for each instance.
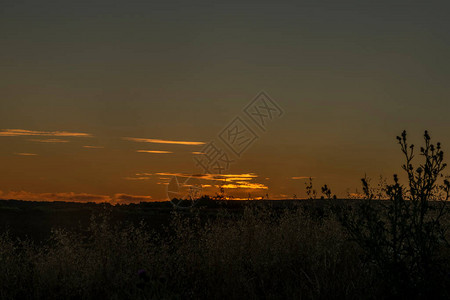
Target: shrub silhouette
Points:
(403, 237)
(310, 191)
(326, 191)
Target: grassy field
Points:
(237, 249)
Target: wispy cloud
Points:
(230, 181)
(301, 177)
(198, 153)
(245, 185)
(26, 154)
(154, 151)
(24, 132)
(137, 178)
(220, 177)
(48, 140)
(159, 141)
(93, 147)
(75, 197)
(72, 197)
(144, 174)
(140, 176)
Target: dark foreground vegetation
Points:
(393, 248)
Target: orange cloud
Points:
(24, 132)
(26, 154)
(158, 141)
(48, 141)
(245, 185)
(93, 147)
(69, 197)
(220, 177)
(154, 151)
(137, 178)
(75, 197)
(301, 177)
(231, 181)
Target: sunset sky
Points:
(107, 100)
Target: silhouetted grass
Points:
(255, 255)
(260, 253)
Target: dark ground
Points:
(35, 220)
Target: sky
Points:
(108, 100)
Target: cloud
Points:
(93, 147)
(137, 178)
(120, 198)
(220, 177)
(24, 132)
(230, 181)
(26, 154)
(158, 141)
(198, 153)
(245, 185)
(127, 199)
(301, 177)
(154, 151)
(69, 197)
(48, 140)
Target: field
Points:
(293, 249)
